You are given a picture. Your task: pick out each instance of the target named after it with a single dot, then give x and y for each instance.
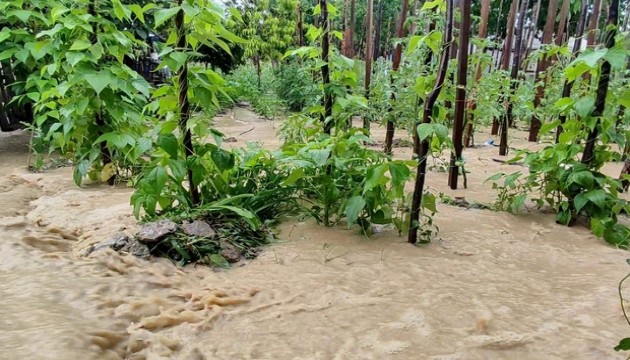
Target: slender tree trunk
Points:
(506, 54)
(568, 85)
(98, 117)
(377, 31)
(483, 32)
(184, 106)
(625, 171)
(421, 148)
(414, 12)
(562, 23)
(626, 18)
(326, 117)
(448, 104)
(503, 146)
(397, 57)
(345, 28)
(300, 27)
(541, 67)
(591, 36)
(258, 71)
(533, 30)
(602, 88)
(593, 24)
(369, 38)
(460, 95)
(353, 24)
(625, 183)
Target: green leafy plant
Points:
(341, 178)
(572, 188)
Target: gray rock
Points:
(230, 253)
(136, 248)
(155, 231)
(121, 242)
(198, 228)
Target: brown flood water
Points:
(491, 286)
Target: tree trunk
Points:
(626, 18)
(326, 117)
(593, 24)
(602, 88)
(460, 95)
(533, 30)
(566, 90)
(625, 171)
(541, 67)
(369, 39)
(106, 155)
(503, 148)
(483, 32)
(421, 148)
(507, 54)
(184, 106)
(448, 104)
(591, 35)
(345, 28)
(377, 31)
(353, 24)
(562, 23)
(397, 57)
(258, 71)
(414, 12)
(300, 27)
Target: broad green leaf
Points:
(591, 58)
(429, 202)
(624, 345)
(375, 177)
(597, 197)
(168, 142)
(223, 160)
(564, 104)
(158, 178)
(400, 173)
(74, 58)
(616, 57)
(584, 105)
(4, 34)
(425, 131)
(121, 11)
(624, 99)
(80, 45)
(617, 235)
(320, 156)
(98, 81)
(354, 207)
(441, 131)
(6, 54)
(584, 178)
(163, 15)
(138, 11)
(295, 175)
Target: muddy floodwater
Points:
(491, 286)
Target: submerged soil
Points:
(491, 286)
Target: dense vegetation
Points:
(438, 69)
